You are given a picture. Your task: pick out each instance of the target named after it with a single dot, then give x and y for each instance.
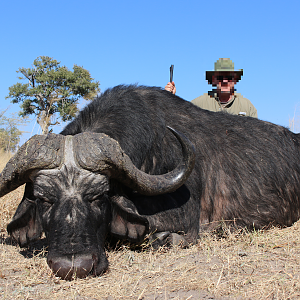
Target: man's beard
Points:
(231, 91)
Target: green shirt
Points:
(238, 105)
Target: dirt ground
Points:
(239, 265)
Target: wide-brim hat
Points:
(224, 65)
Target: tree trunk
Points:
(44, 122)
(8, 144)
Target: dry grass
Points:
(242, 265)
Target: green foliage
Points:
(52, 91)
(9, 133)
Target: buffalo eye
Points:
(99, 200)
(46, 203)
(93, 197)
(45, 200)
(43, 196)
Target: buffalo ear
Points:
(126, 222)
(26, 225)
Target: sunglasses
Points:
(222, 77)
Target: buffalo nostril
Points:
(83, 266)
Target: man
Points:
(224, 97)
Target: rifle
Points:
(171, 73)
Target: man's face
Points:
(224, 81)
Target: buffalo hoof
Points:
(167, 238)
(76, 266)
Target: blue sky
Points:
(124, 42)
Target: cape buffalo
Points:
(116, 169)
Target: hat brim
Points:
(237, 73)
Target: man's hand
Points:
(171, 87)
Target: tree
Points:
(52, 91)
(294, 123)
(9, 133)
(2, 118)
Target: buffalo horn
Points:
(99, 153)
(39, 152)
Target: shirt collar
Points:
(213, 94)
